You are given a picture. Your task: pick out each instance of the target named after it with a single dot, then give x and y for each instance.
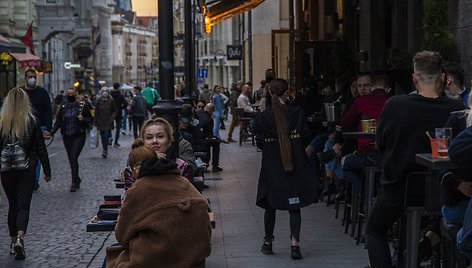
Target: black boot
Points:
(266, 249)
(295, 254)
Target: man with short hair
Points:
(454, 87)
(121, 104)
(364, 84)
(41, 104)
(400, 136)
(365, 107)
(137, 111)
(151, 95)
(243, 100)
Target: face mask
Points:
(104, 94)
(71, 98)
(32, 82)
(127, 94)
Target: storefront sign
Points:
(5, 58)
(234, 52)
(69, 65)
(46, 67)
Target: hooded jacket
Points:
(163, 221)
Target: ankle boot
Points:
(295, 253)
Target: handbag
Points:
(13, 157)
(186, 170)
(93, 138)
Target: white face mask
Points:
(32, 82)
(104, 94)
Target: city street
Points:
(57, 234)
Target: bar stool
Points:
(367, 198)
(450, 252)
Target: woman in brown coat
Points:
(164, 220)
(105, 113)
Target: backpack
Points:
(13, 157)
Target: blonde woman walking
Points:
(22, 143)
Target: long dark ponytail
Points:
(278, 87)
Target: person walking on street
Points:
(129, 98)
(151, 95)
(41, 104)
(22, 142)
(218, 114)
(105, 113)
(285, 181)
(121, 104)
(233, 104)
(74, 118)
(137, 111)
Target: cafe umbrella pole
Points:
(167, 107)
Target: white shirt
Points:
(244, 103)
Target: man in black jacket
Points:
(120, 105)
(400, 136)
(41, 104)
(206, 122)
(137, 111)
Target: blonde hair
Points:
(139, 153)
(16, 114)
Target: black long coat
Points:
(278, 189)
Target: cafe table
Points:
(432, 203)
(358, 135)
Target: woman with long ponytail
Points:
(285, 181)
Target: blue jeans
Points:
(38, 167)
(353, 166)
(335, 164)
(455, 214)
(105, 134)
(464, 236)
(216, 124)
(125, 117)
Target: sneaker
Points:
(110, 141)
(73, 188)
(36, 186)
(116, 144)
(266, 249)
(130, 132)
(104, 154)
(295, 253)
(20, 249)
(123, 132)
(12, 248)
(216, 169)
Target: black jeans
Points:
(215, 147)
(118, 123)
(137, 124)
(269, 224)
(74, 145)
(18, 186)
(388, 208)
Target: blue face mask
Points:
(127, 94)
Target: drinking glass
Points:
(443, 137)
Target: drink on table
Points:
(443, 136)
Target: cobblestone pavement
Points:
(57, 234)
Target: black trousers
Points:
(74, 145)
(215, 151)
(18, 186)
(388, 208)
(137, 124)
(269, 224)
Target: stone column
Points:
(106, 49)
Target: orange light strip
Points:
(210, 21)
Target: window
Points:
(51, 1)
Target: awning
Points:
(26, 60)
(217, 11)
(8, 47)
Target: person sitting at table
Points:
(456, 188)
(400, 136)
(163, 221)
(206, 123)
(191, 130)
(318, 143)
(364, 107)
(244, 102)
